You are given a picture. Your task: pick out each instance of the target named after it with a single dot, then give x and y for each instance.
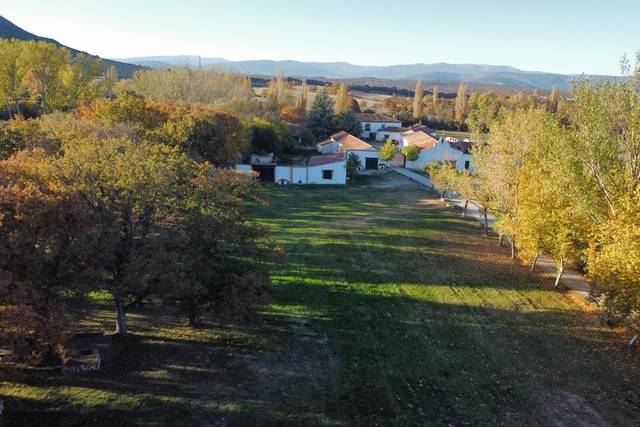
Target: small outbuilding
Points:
(368, 156)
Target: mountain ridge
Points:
(499, 75)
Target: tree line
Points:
(49, 76)
(130, 198)
(564, 180)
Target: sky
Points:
(563, 36)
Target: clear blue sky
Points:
(566, 36)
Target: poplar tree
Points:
(418, 100)
(435, 100)
(554, 98)
(461, 104)
(344, 102)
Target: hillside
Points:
(500, 76)
(8, 30)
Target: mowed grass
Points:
(391, 310)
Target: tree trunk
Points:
(535, 262)
(486, 222)
(634, 340)
(561, 268)
(501, 241)
(192, 317)
(464, 209)
(442, 194)
(514, 250)
(121, 316)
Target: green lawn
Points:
(391, 310)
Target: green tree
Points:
(217, 251)
(353, 166)
(388, 150)
(46, 62)
(12, 73)
(321, 120)
(78, 77)
(348, 122)
(411, 152)
(483, 110)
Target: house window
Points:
(386, 137)
(466, 165)
(327, 174)
(367, 127)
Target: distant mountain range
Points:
(498, 75)
(8, 30)
(495, 77)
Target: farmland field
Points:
(390, 310)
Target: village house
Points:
(393, 133)
(321, 169)
(368, 156)
(372, 123)
(434, 148)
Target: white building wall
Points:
(339, 173)
(441, 152)
(329, 148)
(374, 127)
(383, 136)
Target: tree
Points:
(45, 62)
(501, 162)
(344, 102)
(418, 100)
(353, 165)
(411, 152)
(77, 79)
(262, 136)
(108, 82)
(320, 120)
(45, 235)
(277, 93)
(461, 104)
(483, 109)
(554, 98)
(130, 189)
(303, 99)
(388, 151)
(12, 73)
(437, 107)
(347, 122)
(217, 256)
(443, 176)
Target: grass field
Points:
(391, 310)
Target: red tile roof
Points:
(325, 159)
(393, 129)
(420, 139)
(348, 142)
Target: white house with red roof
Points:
(344, 142)
(393, 133)
(321, 170)
(434, 148)
(373, 122)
